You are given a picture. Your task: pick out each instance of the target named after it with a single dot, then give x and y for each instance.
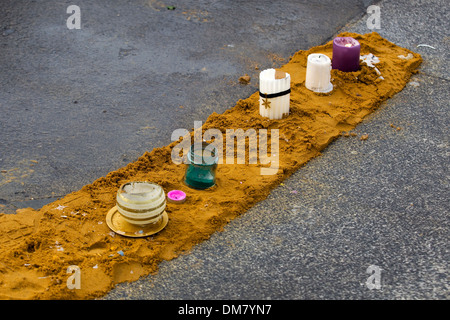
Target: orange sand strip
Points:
(37, 247)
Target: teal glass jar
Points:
(202, 164)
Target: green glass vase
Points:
(202, 164)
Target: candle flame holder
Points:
(274, 93)
(202, 163)
(346, 54)
(318, 76)
(139, 210)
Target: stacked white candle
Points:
(274, 93)
(318, 73)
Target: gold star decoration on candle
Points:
(266, 102)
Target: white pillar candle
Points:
(274, 93)
(318, 73)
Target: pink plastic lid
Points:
(176, 196)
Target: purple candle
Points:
(346, 53)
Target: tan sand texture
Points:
(37, 246)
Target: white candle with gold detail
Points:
(274, 90)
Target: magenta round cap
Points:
(176, 196)
(346, 54)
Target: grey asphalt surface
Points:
(77, 104)
(380, 202)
